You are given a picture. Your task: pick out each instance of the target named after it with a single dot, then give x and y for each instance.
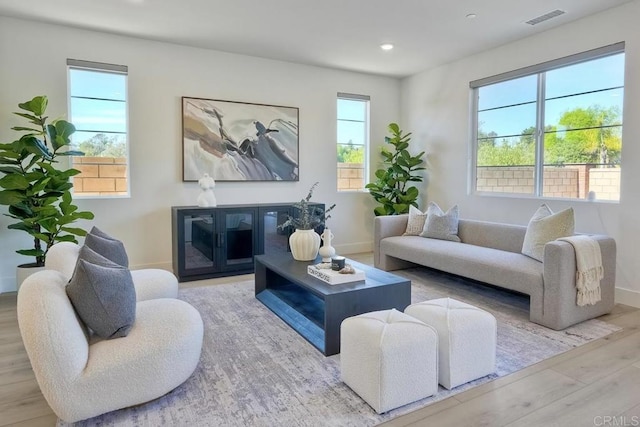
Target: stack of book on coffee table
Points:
(332, 277)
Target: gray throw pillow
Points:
(97, 232)
(109, 248)
(104, 298)
(440, 225)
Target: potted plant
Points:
(35, 187)
(304, 241)
(393, 188)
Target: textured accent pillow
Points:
(440, 225)
(415, 223)
(108, 247)
(544, 227)
(104, 297)
(97, 232)
(88, 254)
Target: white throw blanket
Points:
(589, 268)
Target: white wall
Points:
(435, 106)
(34, 63)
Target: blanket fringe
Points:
(588, 286)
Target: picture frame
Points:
(239, 141)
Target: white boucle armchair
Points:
(82, 377)
(149, 283)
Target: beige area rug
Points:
(256, 371)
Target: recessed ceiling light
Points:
(386, 46)
(472, 16)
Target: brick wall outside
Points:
(100, 176)
(350, 176)
(605, 182)
(572, 181)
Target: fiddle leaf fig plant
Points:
(393, 187)
(35, 187)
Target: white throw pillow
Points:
(440, 225)
(544, 227)
(415, 223)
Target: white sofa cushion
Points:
(415, 222)
(502, 268)
(544, 227)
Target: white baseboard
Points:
(7, 284)
(354, 248)
(628, 297)
(160, 265)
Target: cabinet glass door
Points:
(238, 242)
(274, 239)
(199, 242)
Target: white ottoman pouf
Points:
(466, 339)
(388, 358)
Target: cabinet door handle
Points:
(219, 240)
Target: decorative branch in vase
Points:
(304, 241)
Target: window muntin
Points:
(352, 141)
(566, 142)
(98, 110)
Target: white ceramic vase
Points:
(304, 245)
(327, 251)
(25, 270)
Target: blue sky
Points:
(352, 116)
(108, 112)
(603, 73)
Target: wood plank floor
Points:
(597, 384)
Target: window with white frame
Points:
(553, 129)
(98, 110)
(353, 141)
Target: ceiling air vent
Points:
(545, 17)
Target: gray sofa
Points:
(490, 253)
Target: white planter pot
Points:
(304, 245)
(23, 271)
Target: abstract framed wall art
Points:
(239, 141)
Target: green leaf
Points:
(74, 230)
(21, 210)
(33, 119)
(66, 238)
(401, 208)
(71, 153)
(31, 252)
(20, 128)
(84, 215)
(8, 157)
(9, 169)
(44, 237)
(11, 197)
(394, 128)
(379, 211)
(38, 105)
(14, 182)
(21, 226)
(412, 192)
(64, 129)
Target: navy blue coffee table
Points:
(316, 309)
